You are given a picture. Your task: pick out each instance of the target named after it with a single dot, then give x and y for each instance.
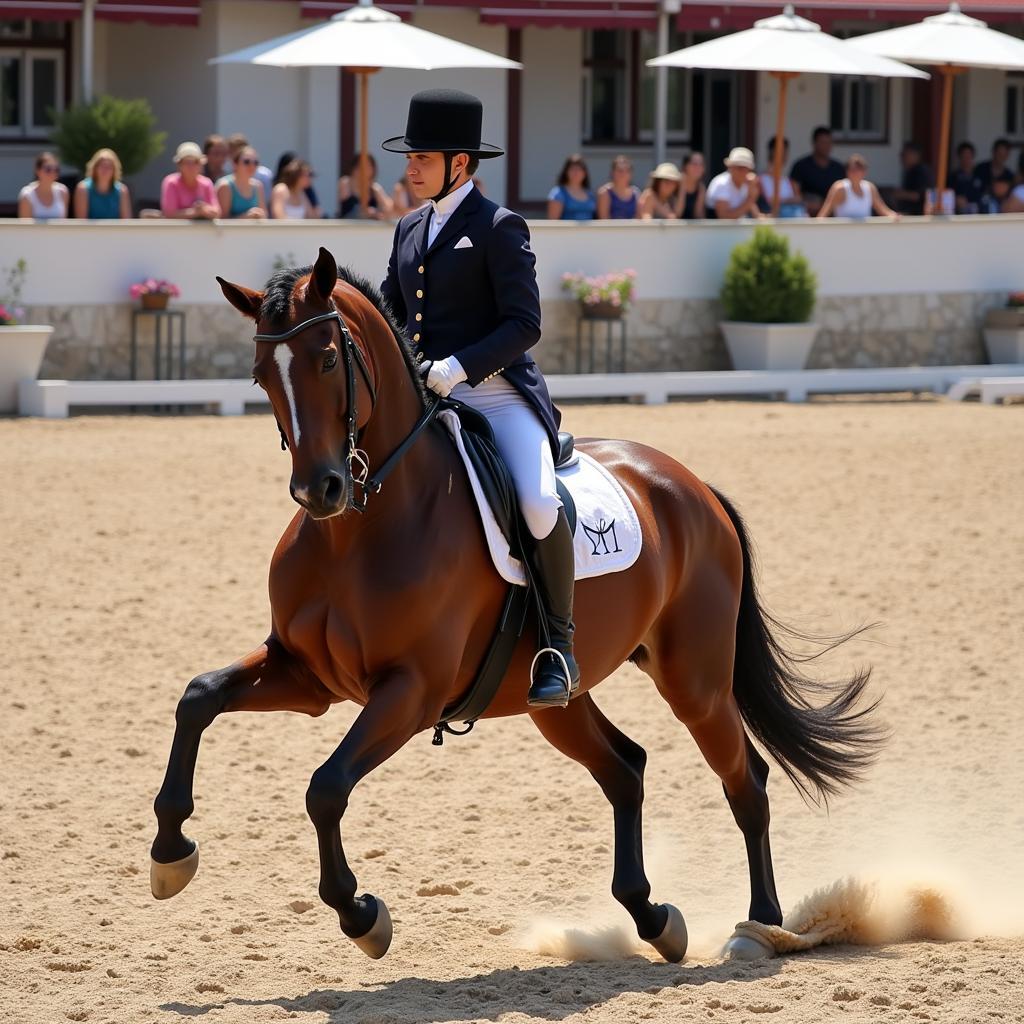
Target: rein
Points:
(353, 454)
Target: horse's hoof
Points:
(746, 947)
(167, 880)
(376, 942)
(671, 943)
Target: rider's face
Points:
(425, 172)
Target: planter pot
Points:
(600, 311)
(1004, 335)
(21, 353)
(155, 300)
(768, 346)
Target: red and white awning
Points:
(153, 12)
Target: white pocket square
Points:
(464, 243)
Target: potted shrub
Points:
(154, 294)
(605, 297)
(128, 127)
(21, 345)
(1004, 331)
(768, 297)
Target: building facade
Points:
(583, 88)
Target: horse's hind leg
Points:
(268, 679)
(691, 661)
(617, 764)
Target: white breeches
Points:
(523, 444)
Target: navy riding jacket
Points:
(475, 300)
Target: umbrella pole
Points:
(780, 132)
(364, 156)
(949, 72)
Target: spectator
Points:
(314, 200)
(101, 195)
(402, 199)
(188, 193)
(910, 196)
(290, 200)
(692, 190)
(733, 193)
(216, 151)
(240, 194)
(789, 191)
(349, 191)
(854, 196)
(660, 200)
(964, 181)
(45, 198)
(619, 198)
(572, 198)
(995, 176)
(817, 172)
(236, 144)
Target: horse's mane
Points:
(277, 308)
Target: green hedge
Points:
(125, 126)
(766, 284)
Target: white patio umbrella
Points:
(785, 46)
(953, 42)
(363, 40)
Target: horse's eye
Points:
(330, 361)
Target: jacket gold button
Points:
(419, 293)
(416, 337)
(419, 269)
(419, 316)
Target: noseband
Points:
(355, 458)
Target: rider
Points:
(461, 278)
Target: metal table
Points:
(609, 325)
(166, 322)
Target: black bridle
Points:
(355, 458)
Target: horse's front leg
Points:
(393, 714)
(268, 679)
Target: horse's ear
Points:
(245, 300)
(324, 276)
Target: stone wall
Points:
(92, 342)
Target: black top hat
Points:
(443, 121)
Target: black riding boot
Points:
(554, 566)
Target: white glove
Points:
(444, 374)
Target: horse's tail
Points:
(820, 733)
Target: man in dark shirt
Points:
(964, 180)
(917, 179)
(995, 176)
(816, 172)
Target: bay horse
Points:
(394, 608)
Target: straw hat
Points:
(187, 150)
(667, 171)
(740, 156)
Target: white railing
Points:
(73, 263)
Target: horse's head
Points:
(317, 378)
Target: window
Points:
(678, 119)
(1015, 105)
(858, 109)
(31, 89)
(619, 89)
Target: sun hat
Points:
(740, 156)
(186, 150)
(443, 121)
(667, 171)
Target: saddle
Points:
(496, 481)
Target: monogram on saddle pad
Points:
(605, 526)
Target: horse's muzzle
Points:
(326, 497)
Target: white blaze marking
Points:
(283, 358)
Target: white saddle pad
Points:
(608, 537)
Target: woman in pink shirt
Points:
(188, 193)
